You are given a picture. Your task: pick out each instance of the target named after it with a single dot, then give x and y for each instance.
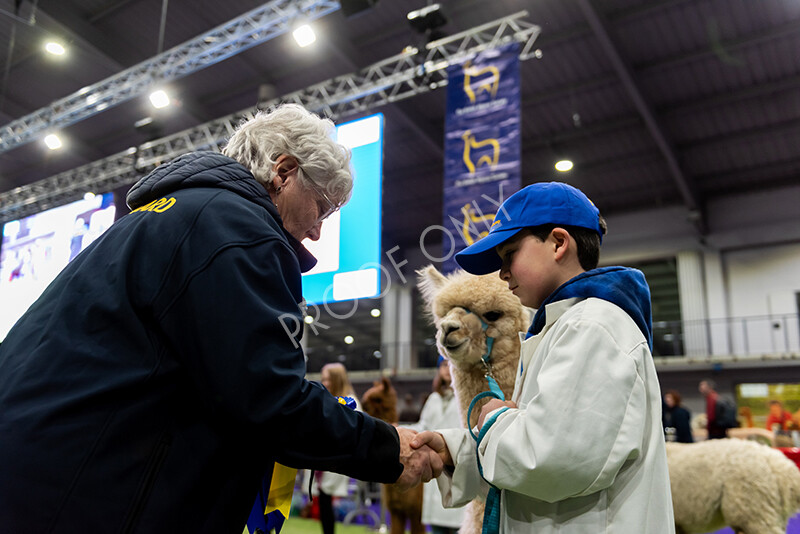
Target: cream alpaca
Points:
(455, 303)
(748, 486)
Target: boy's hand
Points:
(491, 406)
(435, 441)
(420, 464)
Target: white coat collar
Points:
(553, 312)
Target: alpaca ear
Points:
(429, 282)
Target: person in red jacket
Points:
(708, 389)
(778, 416)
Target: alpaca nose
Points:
(449, 329)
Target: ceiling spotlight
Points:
(308, 319)
(159, 99)
(57, 49)
(304, 35)
(88, 195)
(53, 142)
(349, 340)
(563, 165)
(375, 312)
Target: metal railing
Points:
(740, 337)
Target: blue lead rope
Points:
(491, 513)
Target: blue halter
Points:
(486, 360)
(491, 514)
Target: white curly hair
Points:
(293, 130)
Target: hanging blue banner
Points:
(482, 145)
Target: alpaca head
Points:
(459, 301)
(380, 401)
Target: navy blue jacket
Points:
(152, 385)
(680, 419)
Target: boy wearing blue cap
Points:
(579, 447)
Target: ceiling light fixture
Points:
(563, 165)
(308, 319)
(53, 142)
(375, 312)
(57, 49)
(304, 35)
(159, 99)
(349, 340)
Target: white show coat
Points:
(584, 450)
(439, 412)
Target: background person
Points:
(440, 411)
(707, 388)
(152, 385)
(579, 448)
(778, 416)
(677, 418)
(327, 484)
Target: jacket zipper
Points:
(146, 487)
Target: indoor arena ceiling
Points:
(658, 103)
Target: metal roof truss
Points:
(408, 74)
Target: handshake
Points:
(423, 456)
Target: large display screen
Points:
(348, 250)
(35, 249)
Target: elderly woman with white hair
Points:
(153, 384)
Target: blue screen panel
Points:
(349, 246)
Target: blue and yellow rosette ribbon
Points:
(274, 500)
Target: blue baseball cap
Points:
(534, 205)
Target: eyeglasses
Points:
(326, 209)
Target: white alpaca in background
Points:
(748, 486)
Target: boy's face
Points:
(529, 267)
